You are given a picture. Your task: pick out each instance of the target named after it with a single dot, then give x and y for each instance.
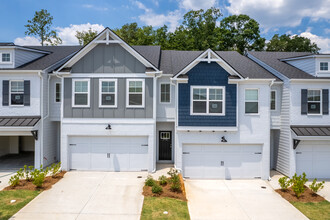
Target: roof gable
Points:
(107, 37)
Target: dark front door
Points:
(165, 145)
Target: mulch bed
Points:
(167, 191)
(307, 196)
(28, 185)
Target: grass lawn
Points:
(153, 208)
(22, 198)
(314, 211)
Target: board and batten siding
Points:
(111, 58)
(94, 111)
(306, 65)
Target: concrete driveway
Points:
(89, 195)
(237, 199)
(4, 178)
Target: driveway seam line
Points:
(240, 205)
(92, 195)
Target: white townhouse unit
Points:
(110, 106)
(29, 135)
(301, 139)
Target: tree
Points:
(128, 33)
(84, 37)
(40, 26)
(288, 43)
(200, 27)
(238, 32)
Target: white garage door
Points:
(109, 153)
(313, 158)
(222, 161)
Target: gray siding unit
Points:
(23, 57)
(307, 65)
(111, 58)
(94, 111)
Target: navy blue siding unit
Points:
(207, 74)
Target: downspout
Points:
(156, 77)
(48, 109)
(270, 85)
(41, 113)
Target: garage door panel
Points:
(221, 161)
(109, 153)
(313, 158)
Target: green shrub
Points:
(285, 183)
(176, 187)
(55, 168)
(157, 189)
(27, 171)
(162, 180)
(173, 172)
(149, 181)
(39, 179)
(315, 187)
(14, 180)
(298, 184)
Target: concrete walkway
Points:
(237, 199)
(4, 178)
(89, 195)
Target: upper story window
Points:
(57, 92)
(108, 93)
(165, 93)
(314, 101)
(251, 101)
(16, 92)
(273, 100)
(80, 93)
(207, 100)
(324, 66)
(135, 93)
(5, 58)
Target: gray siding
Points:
(23, 57)
(306, 65)
(120, 112)
(111, 58)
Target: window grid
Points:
(165, 93)
(108, 93)
(81, 93)
(58, 92)
(251, 98)
(314, 101)
(5, 57)
(324, 66)
(212, 97)
(16, 92)
(273, 100)
(135, 93)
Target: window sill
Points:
(207, 114)
(107, 106)
(252, 114)
(83, 106)
(132, 107)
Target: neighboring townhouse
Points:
(28, 133)
(109, 106)
(300, 140)
(127, 108)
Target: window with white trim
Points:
(273, 100)
(108, 93)
(80, 93)
(324, 66)
(57, 92)
(208, 100)
(314, 101)
(135, 93)
(165, 93)
(5, 58)
(17, 92)
(251, 101)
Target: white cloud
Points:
(322, 42)
(279, 13)
(171, 19)
(27, 41)
(94, 7)
(67, 34)
(197, 4)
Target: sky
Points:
(307, 18)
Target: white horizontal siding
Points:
(23, 57)
(307, 65)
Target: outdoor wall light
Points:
(223, 139)
(108, 127)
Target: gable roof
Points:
(273, 59)
(54, 55)
(106, 36)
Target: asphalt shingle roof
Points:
(150, 53)
(273, 59)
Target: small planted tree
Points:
(298, 184)
(315, 187)
(285, 183)
(149, 181)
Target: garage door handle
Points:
(108, 155)
(298, 152)
(257, 153)
(72, 144)
(144, 145)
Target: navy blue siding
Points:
(207, 74)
